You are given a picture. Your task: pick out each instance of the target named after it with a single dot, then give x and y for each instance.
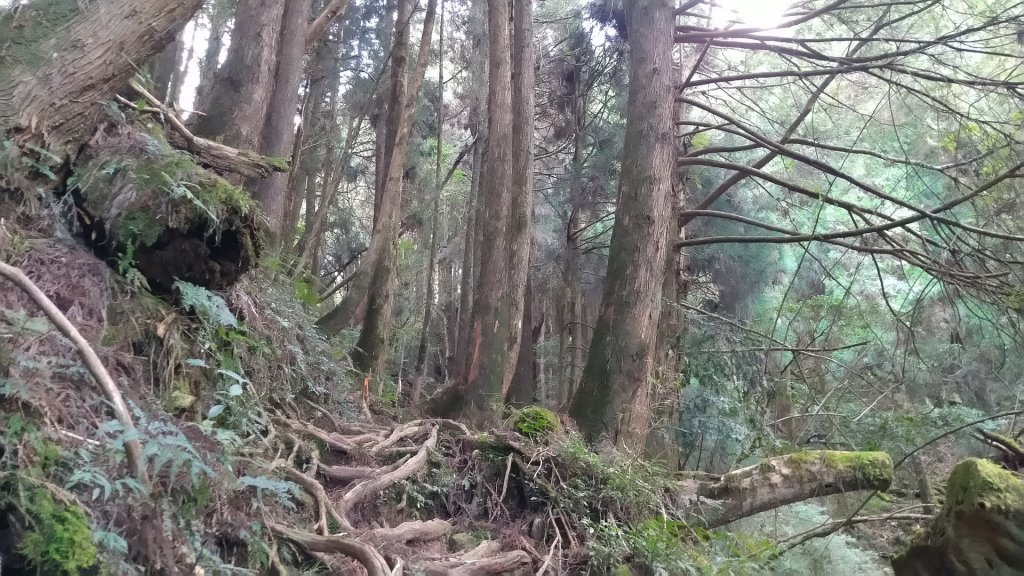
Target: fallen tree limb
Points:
(132, 447)
(830, 528)
(214, 155)
(793, 478)
(361, 552)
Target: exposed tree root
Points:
(408, 532)
(375, 485)
(361, 552)
(513, 563)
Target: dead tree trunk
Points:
(614, 395)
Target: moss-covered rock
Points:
(143, 204)
(980, 529)
(535, 422)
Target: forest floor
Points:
(265, 454)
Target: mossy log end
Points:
(144, 204)
(980, 529)
(793, 478)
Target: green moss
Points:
(977, 484)
(535, 422)
(282, 164)
(59, 541)
(223, 197)
(872, 466)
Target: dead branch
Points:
(132, 447)
(212, 154)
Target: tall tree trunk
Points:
(220, 19)
(614, 396)
(236, 108)
(523, 390)
(379, 263)
(488, 352)
(468, 278)
(520, 214)
(428, 302)
(72, 57)
(278, 136)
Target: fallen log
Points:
(792, 478)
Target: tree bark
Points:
(220, 19)
(69, 60)
(488, 353)
(428, 302)
(319, 26)
(467, 279)
(377, 270)
(278, 136)
(614, 396)
(523, 391)
(236, 108)
(520, 214)
(168, 68)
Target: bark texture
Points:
(236, 108)
(61, 62)
(613, 399)
(278, 136)
(488, 353)
(520, 213)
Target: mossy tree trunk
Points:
(613, 398)
(63, 59)
(980, 529)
